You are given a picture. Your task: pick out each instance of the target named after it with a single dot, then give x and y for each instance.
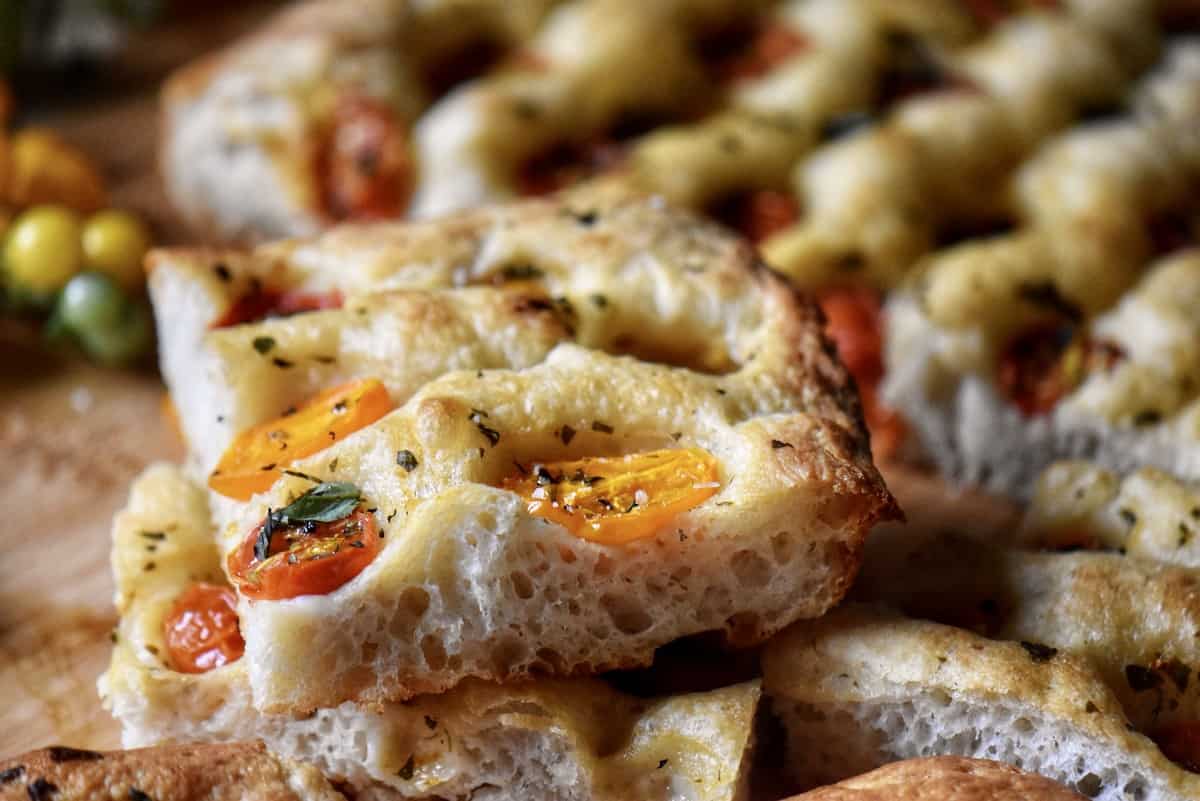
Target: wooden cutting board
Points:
(72, 438)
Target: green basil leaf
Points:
(324, 503)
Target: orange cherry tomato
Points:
(618, 499)
(1180, 743)
(366, 165)
(256, 457)
(202, 631)
(771, 46)
(854, 321)
(305, 559)
(1046, 362)
(264, 303)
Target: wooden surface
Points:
(73, 437)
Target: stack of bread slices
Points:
(444, 473)
(443, 477)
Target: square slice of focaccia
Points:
(493, 288)
(1087, 643)
(863, 687)
(549, 738)
(556, 507)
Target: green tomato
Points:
(115, 242)
(123, 343)
(90, 301)
(43, 249)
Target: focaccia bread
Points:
(451, 107)
(1049, 342)
(862, 687)
(944, 779)
(1125, 615)
(469, 582)
(249, 130)
(224, 772)
(492, 288)
(876, 200)
(1146, 514)
(549, 738)
(1134, 620)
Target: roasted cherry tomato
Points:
(202, 631)
(254, 460)
(264, 303)
(760, 214)
(1046, 362)
(565, 165)
(854, 321)
(618, 499)
(1180, 743)
(771, 46)
(366, 166)
(305, 559)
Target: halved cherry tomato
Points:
(1046, 362)
(306, 559)
(854, 321)
(366, 165)
(565, 165)
(618, 499)
(255, 458)
(1180, 743)
(264, 303)
(771, 46)
(758, 214)
(201, 630)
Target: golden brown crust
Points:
(944, 779)
(244, 771)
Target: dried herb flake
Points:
(406, 459)
(1039, 653)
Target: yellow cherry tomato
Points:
(43, 249)
(44, 168)
(618, 499)
(114, 243)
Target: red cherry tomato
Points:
(306, 559)
(366, 166)
(1180, 743)
(854, 321)
(264, 303)
(1046, 362)
(770, 47)
(202, 631)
